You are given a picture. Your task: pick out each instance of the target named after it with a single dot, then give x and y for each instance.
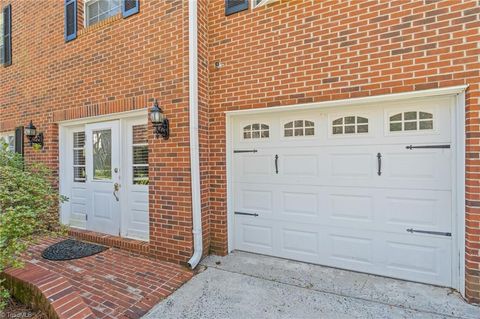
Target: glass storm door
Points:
(103, 177)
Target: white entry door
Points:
(103, 177)
(363, 188)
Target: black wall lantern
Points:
(34, 138)
(160, 122)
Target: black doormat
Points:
(71, 249)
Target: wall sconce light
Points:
(31, 133)
(160, 122)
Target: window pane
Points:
(256, 134)
(310, 131)
(309, 124)
(424, 115)
(264, 127)
(140, 134)
(289, 125)
(338, 130)
(397, 117)
(362, 129)
(395, 127)
(1, 38)
(78, 139)
(362, 119)
(102, 155)
(426, 125)
(299, 132)
(350, 120)
(410, 116)
(140, 155)
(140, 175)
(298, 123)
(410, 126)
(78, 157)
(265, 134)
(288, 133)
(338, 121)
(247, 135)
(349, 129)
(255, 126)
(79, 174)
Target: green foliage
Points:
(28, 208)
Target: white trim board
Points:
(458, 138)
(355, 101)
(106, 117)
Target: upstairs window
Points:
(98, 10)
(2, 53)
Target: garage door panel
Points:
(254, 199)
(299, 165)
(351, 165)
(256, 236)
(417, 168)
(323, 200)
(428, 210)
(351, 207)
(419, 258)
(253, 166)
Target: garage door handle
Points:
(379, 162)
(440, 233)
(276, 164)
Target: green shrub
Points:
(28, 208)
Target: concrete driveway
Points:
(244, 285)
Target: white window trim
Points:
(293, 137)
(333, 117)
(85, 12)
(261, 3)
(6, 135)
(417, 109)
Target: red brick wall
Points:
(117, 65)
(292, 52)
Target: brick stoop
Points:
(46, 291)
(135, 246)
(112, 284)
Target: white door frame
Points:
(65, 180)
(458, 167)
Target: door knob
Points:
(116, 188)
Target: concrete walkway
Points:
(244, 285)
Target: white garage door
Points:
(342, 187)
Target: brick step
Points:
(47, 291)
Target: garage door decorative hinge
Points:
(245, 151)
(411, 230)
(246, 214)
(411, 147)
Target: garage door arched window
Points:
(256, 130)
(299, 128)
(350, 125)
(411, 121)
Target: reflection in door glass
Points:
(102, 155)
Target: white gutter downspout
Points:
(194, 144)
